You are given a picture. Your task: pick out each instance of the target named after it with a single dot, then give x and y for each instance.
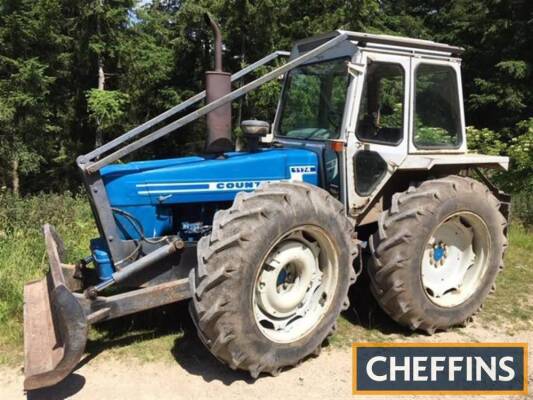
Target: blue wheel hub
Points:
(438, 253)
(282, 277)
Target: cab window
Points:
(437, 115)
(313, 100)
(380, 118)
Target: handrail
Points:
(96, 165)
(174, 110)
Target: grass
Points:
(147, 336)
(22, 254)
(512, 306)
(168, 333)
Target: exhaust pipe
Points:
(218, 84)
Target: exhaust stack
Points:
(218, 84)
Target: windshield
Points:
(313, 100)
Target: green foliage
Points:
(106, 107)
(433, 136)
(522, 207)
(261, 103)
(521, 147)
(519, 179)
(485, 141)
(24, 115)
(516, 69)
(395, 118)
(391, 93)
(22, 254)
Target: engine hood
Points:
(201, 179)
(150, 191)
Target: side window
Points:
(369, 170)
(437, 118)
(380, 118)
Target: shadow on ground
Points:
(365, 312)
(71, 385)
(189, 352)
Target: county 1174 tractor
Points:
(367, 151)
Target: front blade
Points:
(41, 352)
(55, 327)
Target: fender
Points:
(428, 161)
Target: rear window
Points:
(437, 117)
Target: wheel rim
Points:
(455, 259)
(296, 284)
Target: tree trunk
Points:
(101, 75)
(99, 137)
(3, 179)
(15, 179)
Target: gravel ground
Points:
(197, 375)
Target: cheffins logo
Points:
(444, 368)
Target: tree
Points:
(76, 73)
(497, 64)
(107, 25)
(26, 81)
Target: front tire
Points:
(437, 252)
(273, 276)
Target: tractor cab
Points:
(371, 105)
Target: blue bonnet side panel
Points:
(150, 190)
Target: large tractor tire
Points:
(437, 252)
(273, 276)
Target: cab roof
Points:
(369, 39)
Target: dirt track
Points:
(197, 375)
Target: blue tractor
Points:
(367, 152)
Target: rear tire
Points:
(240, 324)
(418, 279)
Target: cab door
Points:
(378, 130)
